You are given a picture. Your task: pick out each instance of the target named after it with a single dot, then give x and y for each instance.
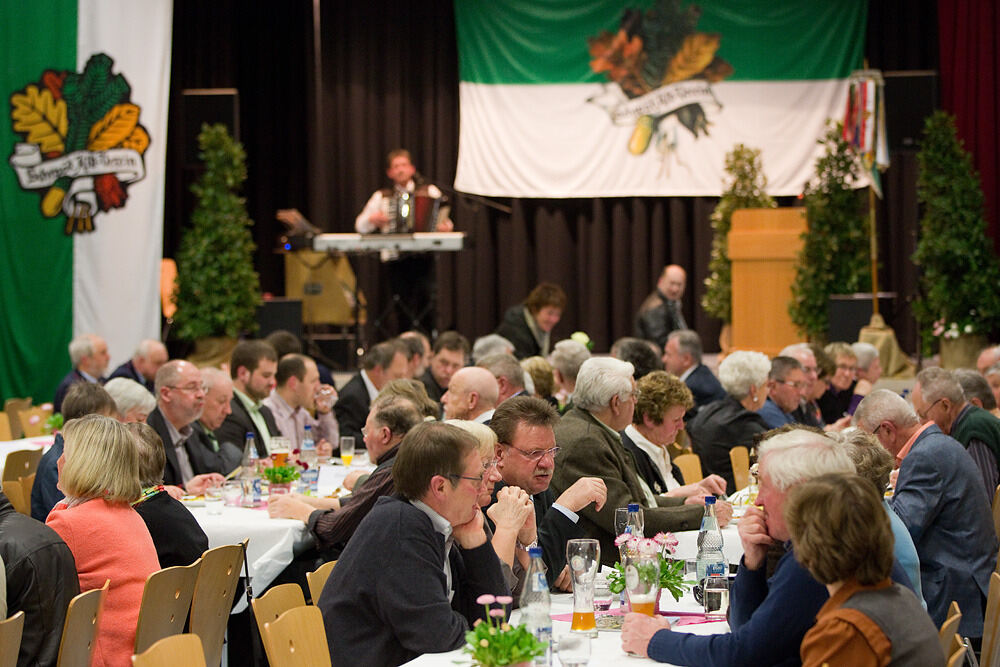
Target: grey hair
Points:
(146, 347)
(211, 376)
(129, 395)
(865, 353)
(992, 370)
(800, 455)
(80, 347)
(688, 342)
(782, 366)
(937, 383)
(975, 385)
(168, 374)
(490, 344)
(504, 366)
(567, 357)
(741, 370)
(599, 380)
(795, 349)
(884, 405)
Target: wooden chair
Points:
(317, 579)
(13, 407)
(170, 651)
(166, 601)
(991, 623)
(80, 629)
(947, 633)
(33, 420)
(957, 657)
(10, 639)
(739, 457)
(297, 639)
(690, 465)
(12, 489)
(212, 601)
(272, 604)
(5, 430)
(27, 484)
(21, 463)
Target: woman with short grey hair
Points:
(134, 402)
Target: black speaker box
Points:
(910, 97)
(277, 313)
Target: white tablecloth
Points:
(732, 547)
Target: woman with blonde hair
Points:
(99, 475)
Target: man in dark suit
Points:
(180, 396)
(384, 362)
(682, 357)
(450, 352)
(526, 449)
(142, 367)
(252, 367)
(940, 497)
(89, 354)
(660, 313)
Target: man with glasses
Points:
(180, 398)
(939, 495)
(525, 455)
(591, 446)
(787, 386)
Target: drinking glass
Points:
(281, 448)
(574, 649)
(642, 579)
(715, 594)
(213, 500)
(232, 492)
(584, 558)
(621, 520)
(346, 449)
(603, 597)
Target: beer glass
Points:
(584, 558)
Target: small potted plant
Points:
(671, 571)
(495, 642)
(281, 477)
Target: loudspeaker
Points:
(278, 313)
(910, 97)
(207, 105)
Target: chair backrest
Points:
(947, 633)
(991, 623)
(212, 601)
(690, 465)
(27, 484)
(172, 651)
(739, 457)
(33, 420)
(80, 629)
(12, 489)
(317, 579)
(272, 604)
(166, 601)
(5, 430)
(957, 657)
(20, 463)
(13, 408)
(10, 639)
(297, 639)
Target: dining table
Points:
(42, 442)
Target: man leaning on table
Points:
(768, 616)
(408, 580)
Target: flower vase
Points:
(961, 352)
(282, 488)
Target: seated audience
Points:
(472, 394)
(590, 446)
(252, 367)
(658, 418)
(977, 390)
(407, 583)
(133, 400)
(89, 355)
(869, 365)
(642, 354)
(660, 313)
(807, 413)
(450, 352)
(294, 400)
(145, 361)
(786, 384)
(682, 357)
(733, 420)
(566, 359)
(988, 356)
(382, 363)
(218, 405)
(109, 540)
(841, 535)
(178, 538)
(489, 344)
(840, 398)
(542, 378)
(940, 497)
(420, 351)
(83, 398)
(511, 378)
(529, 325)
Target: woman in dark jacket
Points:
(529, 324)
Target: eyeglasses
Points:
(875, 432)
(477, 480)
(192, 388)
(534, 455)
(847, 367)
(810, 370)
(923, 415)
(801, 386)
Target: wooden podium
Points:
(764, 245)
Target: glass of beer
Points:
(642, 579)
(281, 448)
(584, 559)
(346, 449)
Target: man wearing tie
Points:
(661, 312)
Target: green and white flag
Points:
(603, 98)
(81, 182)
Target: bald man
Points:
(661, 313)
(472, 395)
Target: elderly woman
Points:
(99, 473)
(529, 324)
(133, 400)
(733, 420)
(841, 398)
(543, 377)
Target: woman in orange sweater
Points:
(99, 474)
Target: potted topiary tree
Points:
(218, 290)
(959, 302)
(746, 190)
(834, 257)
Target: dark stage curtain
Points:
(390, 79)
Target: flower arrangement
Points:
(494, 642)
(671, 572)
(281, 474)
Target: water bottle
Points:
(711, 560)
(535, 606)
(307, 454)
(249, 469)
(635, 524)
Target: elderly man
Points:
(489, 344)
(939, 496)
(192, 462)
(89, 355)
(661, 313)
(511, 380)
(937, 396)
(566, 358)
(147, 359)
(418, 362)
(383, 363)
(451, 352)
(869, 364)
(526, 451)
(977, 390)
(590, 446)
(218, 406)
(682, 357)
(472, 395)
(989, 356)
(786, 385)
(407, 582)
(293, 401)
(252, 367)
